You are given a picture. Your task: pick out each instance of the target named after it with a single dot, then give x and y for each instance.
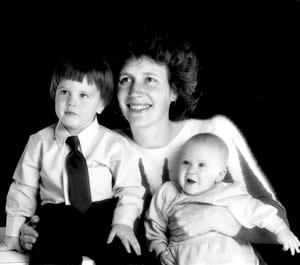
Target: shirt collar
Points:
(85, 136)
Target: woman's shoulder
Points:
(207, 124)
(215, 123)
(222, 120)
(218, 118)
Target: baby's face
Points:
(200, 167)
(76, 104)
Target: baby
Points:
(201, 170)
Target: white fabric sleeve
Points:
(127, 187)
(235, 141)
(251, 212)
(21, 197)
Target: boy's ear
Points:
(221, 175)
(100, 107)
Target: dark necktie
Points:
(79, 184)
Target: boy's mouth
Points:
(68, 112)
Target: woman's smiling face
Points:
(144, 93)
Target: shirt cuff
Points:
(276, 224)
(13, 225)
(282, 226)
(125, 215)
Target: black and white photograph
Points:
(154, 135)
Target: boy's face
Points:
(200, 167)
(76, 104)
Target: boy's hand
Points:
(10, 243)
(166, 258)
(28, 233)
(289, 241)
(127, 237)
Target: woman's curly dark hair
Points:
(182, 65)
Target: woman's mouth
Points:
(139, 107)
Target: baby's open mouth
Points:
(190, 181)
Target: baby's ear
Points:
(221, 175)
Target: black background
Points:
(245, 54)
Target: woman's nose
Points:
(135, 89)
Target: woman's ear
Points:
(221, 175)
(173, 96)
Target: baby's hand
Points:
(10, 243)
(127, 237)
(166, 258)
(289, 241)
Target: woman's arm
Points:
(191, 220)
(244, 169)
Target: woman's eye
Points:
(185, 162)
(124, 80)
(201, 165)
(150, 79)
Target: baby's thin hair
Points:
(96, 71)
(214, 140)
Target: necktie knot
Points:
(73, 142)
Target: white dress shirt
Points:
(113, 172)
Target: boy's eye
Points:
(63, 91)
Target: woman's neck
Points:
(156, 136)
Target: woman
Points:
(156, 92)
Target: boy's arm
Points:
(21, 198)
(10, 243)
(126, 235)
(127, 186)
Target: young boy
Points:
(48, 168)
(202, 167)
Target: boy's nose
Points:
(71, 100)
